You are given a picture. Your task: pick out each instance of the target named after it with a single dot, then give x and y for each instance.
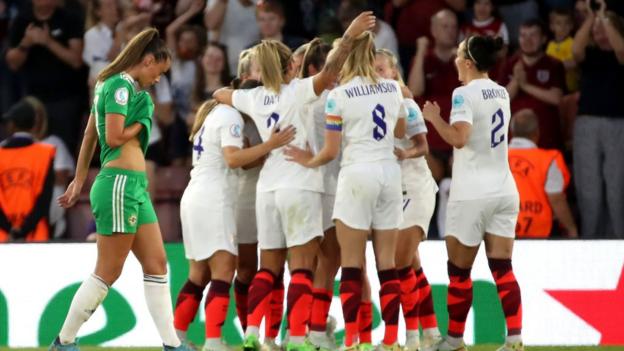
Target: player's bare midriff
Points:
(131, 157)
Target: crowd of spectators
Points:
(563, 65)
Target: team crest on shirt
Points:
(330, 106)
(458, 101)
(235, 130)
(132, 220)
(121, 96)
(543, 75)
(412, 114)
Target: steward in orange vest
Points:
(541, 177)
(26, 179)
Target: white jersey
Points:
(268, 109)
(314, 113)
(222, 127)
(366, 113)
(414, 171)
(481, 168)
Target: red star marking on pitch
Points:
(602, 309)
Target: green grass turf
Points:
(470, 348)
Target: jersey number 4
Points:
(497, 135)
(380, 130)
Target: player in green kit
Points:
(120, 122)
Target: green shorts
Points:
(120, 201)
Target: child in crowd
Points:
(484, 22)
(560, 47)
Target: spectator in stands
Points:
(514, 13)
(46, 47)
(536, 81)
(542, 177)
(100, 43)
(411, 20)
(271, 21)
(560, 47)
(63, 166)
(384, 34)
(213, 73)
(163, 118)
(433, 77)
(598, 148)
(485, 22)
(229, 22)
(186, 43)
(26, 178)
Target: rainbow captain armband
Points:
(333, 123)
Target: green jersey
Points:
(121, 94)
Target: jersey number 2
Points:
(497, 135)
(380, 130)
(272, 120)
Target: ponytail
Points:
(144, 43)
(273, 57)
(361, 60)
(315, 55)
(483, 51)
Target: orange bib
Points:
(23, 171)
(530, 171)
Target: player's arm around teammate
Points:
(484, 201)
(284, 225)
(125, 218)
(209, 227)
(419, 195)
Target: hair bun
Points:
(498, 43)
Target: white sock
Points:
(512, 339)
(454, 341)
(317, 334)
(252, 331)
(412, 334)
(89, 296)
(181, 335)
(297, 339)
(158, 300)
(431, 332)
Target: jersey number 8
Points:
(379, 113)
(497, 135)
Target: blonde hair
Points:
(301, 50)
(200, 116)
(244, 63)
(394, 64)
(361, 60)
(144, 43)
(273, 57)
(41, 116)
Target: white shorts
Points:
(207, 226)
(469, 220)
(328, 209)
(369, 196)
(418, 207)
(288, 217)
